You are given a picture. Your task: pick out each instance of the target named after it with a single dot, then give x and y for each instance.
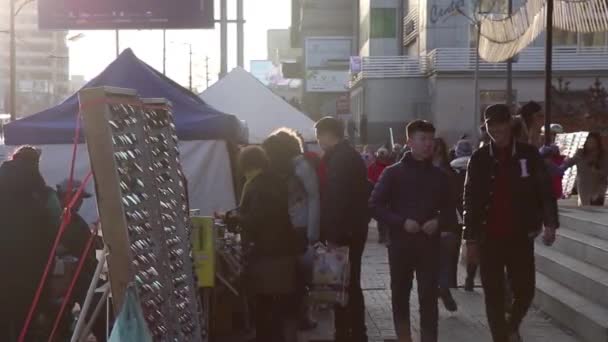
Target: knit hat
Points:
(464, 148)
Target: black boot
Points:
(448, 300)
(469, 284)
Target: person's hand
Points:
(411, 226)
(549, 236)
(431, 227)
(472, 253)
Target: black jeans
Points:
(419, 254)
(448, 264)
(517, 256)
(275, 319)
(598, 201)
(350, 320)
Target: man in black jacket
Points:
(345, 219)
(413, 198)
(508, 198)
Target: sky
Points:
(90, 54)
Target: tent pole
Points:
(117, 43)
(164, 52)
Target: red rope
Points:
(68, 294)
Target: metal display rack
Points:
(569, 144)
(142, 201)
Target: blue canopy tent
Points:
(194, 119)
(204, 133)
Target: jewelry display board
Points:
(569, 144)
(142, 202)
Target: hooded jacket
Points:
(304, 198)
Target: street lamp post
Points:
(190, 69)
(510, 67)
(476, 97)
(12, 63)
(189, 63)
(548, 70)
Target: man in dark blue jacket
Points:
(344, 219)
(413, 198)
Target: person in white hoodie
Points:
(463, 152)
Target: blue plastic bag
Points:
(130, 325)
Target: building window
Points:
(593, 39)
(566, 38)
(383, 23)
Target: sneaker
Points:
(469, 284)
(448, 300)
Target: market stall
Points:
(204, 132)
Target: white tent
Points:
(242, 95)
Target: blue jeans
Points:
(448, 260)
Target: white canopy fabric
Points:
(206, 164)
(242, 95)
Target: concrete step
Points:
(591, 221)
(583, 316)
(587, 280)
(583, 247)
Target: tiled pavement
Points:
(467, 325)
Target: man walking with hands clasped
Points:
(508, 199)
(412, 198)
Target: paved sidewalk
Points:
(467, 325)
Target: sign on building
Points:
(327, 64)
(327, 81)
(262, 70)
(125, 14)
